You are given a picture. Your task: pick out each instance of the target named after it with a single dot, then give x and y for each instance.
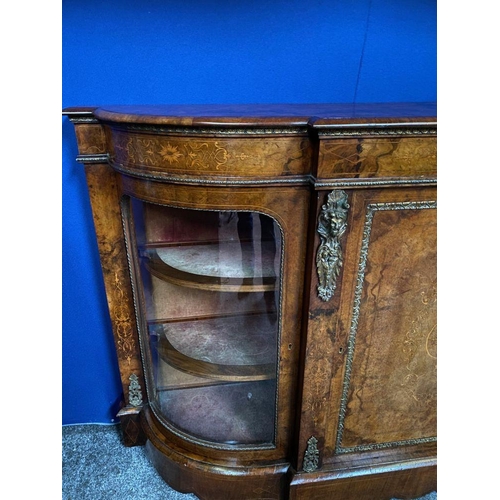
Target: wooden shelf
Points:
(169, 378)
(224, 267)
(230, 348)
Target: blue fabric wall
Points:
(207, 51)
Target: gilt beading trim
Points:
(377, 129)
(82, 119)
(213, 181)
(211, 131)
(361, 183)
(97, 158)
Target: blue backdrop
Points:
(207, 51)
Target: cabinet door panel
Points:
(201, 299)
(389, 387)
(376, 336)
(210, 319)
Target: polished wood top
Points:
(321, 115)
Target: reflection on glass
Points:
(210, 293)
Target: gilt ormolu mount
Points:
(271, 280)
(331, 227)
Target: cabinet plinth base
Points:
(208, 480)
(405, 481)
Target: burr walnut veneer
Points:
(271, 280)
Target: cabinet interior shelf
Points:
(226, 267)
(213, 348)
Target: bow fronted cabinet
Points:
(271, 280)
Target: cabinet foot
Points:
(132, 433)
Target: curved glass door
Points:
(210, 290)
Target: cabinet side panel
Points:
(104, 197)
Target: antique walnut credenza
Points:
(270, 272)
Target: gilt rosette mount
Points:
(332, 224)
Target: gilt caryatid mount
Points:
(331, 226)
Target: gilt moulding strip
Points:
(213, 181)
(212, 131)
(98, 158)
(82, 119)
(377, 129)
(368, 183)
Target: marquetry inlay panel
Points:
(377, 157)
(91, 138)
(229, 157)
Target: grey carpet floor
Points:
(96, 466)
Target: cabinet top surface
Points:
(262, 114)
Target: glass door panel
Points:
(210, 289)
